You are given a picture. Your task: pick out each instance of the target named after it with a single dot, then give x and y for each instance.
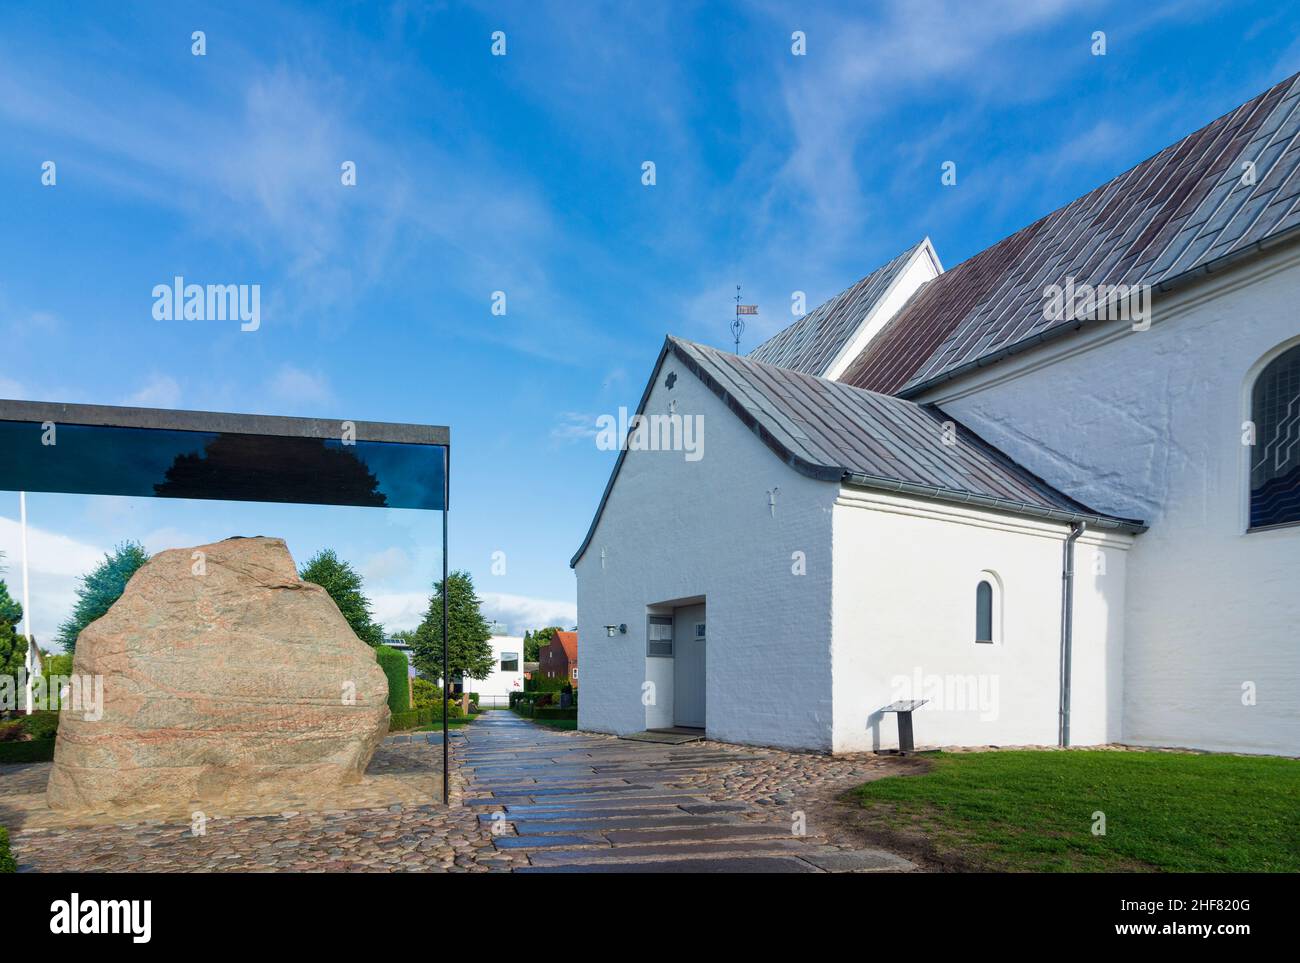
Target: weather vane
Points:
(738, 325)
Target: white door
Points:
(689, 644)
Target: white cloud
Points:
(399, 610)
(55, 562)
(294, 386)
(12, 390)
(390, 563)
(160, 391)
(519, 613)
(574, 426)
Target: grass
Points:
(1034, 811)
(570, 724)
(451, 724)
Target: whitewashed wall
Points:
(1148, 424)
(906, 571)
(675, 529)
(500, 684)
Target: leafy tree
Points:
(10, 610)
(468, 653)
(540, 638)
(343, 584)
(13, 650)
(403, 635)
(100, 589)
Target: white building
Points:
(507, 672)
(1058, 526)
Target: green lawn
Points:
(1033, 810)
(552, 723)
(451, 724)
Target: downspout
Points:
(1067, 626)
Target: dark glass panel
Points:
(162, 463)
(984, 612)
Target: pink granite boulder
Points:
(224, 676)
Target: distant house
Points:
(507, 674)
(559, 658)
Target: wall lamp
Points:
(612, 630)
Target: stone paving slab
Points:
(721, 864)
(662, 851)
(700, 834)
(538, 827)
(682, 799)
(572, 814)
(542, 842)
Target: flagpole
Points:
(29, 660)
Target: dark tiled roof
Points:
(828, 430)
(812, 343)
(1171, 215)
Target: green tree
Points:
(343, 584)
(100, 589)
(10, 610)
(403, 635)
(540, 638)
(468, 653)
(13, 650)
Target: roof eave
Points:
(1128, 526)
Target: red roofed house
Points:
(559, 658)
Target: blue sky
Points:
(519, 174)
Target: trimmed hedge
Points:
(36, 750)
(7, 862)
(396, 668)
(530, 711)
(540, 699)
(554, 712)
(416, 718)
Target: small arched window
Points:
(1275, 459)
(984, 611)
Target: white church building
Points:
(1059, 512)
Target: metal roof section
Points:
(1219, 194)
(816, 341)
(837, 433)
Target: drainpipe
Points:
(1067, 626)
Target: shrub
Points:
(40, 725)
(395, 668)
(7, 863)
(418, 718)
(34, 750)
(426, 694)
(554, 712)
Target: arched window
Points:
(984, 611)
(1275, 459)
